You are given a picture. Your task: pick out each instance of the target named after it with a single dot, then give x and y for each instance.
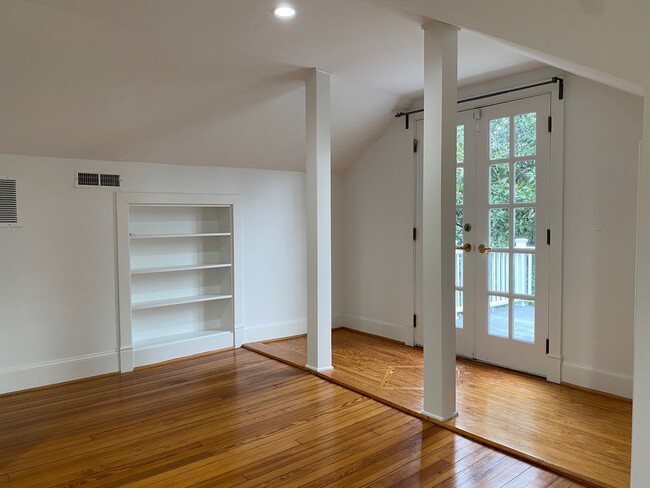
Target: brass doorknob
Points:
(467, 247)
(482, 248)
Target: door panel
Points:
(465, 230)
(512, 171)
(502, 173)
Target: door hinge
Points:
(415, 145)
(415, 321)
(415, 233)
(548, 237)
(550, 123)
(548, 346)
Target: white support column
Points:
(438, 199)
(319, 222)
(641, 405)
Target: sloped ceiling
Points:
(207, 82)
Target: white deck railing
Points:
(498, 275)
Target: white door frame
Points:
(556, 211)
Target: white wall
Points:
(602, 133)
(338, 246)
(603, 128)
(378, 246)
(58, 278)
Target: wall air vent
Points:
(97, 180)
(8, 202)
(109, 180)
(87, 179)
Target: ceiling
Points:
(207, 82)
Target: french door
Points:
(502, 216)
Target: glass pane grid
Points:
(523, 320)
(498, 316)
(511, 210)
(459, 309)
(460, 185)
(525, 134)
(460, 144)
(499, 137)
(458, 268)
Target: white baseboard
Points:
(396, 332)
(51, 372)
(581, 375)
(553, 368)
(159, 353)
(274, 331)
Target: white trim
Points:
(439, 419)
(595, 379)
(556, 223)
(274, 331)
(401, 333)
(319, 370)
(126, 359)
(181, 348)
(553, 368)
(50, 372)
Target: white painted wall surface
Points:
(58, 273)
(603, 128)
(377, 269)
(602, 133)
(338, 246)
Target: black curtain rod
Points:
(553, 80)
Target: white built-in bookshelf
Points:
(177, 276)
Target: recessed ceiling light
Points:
(285, 12)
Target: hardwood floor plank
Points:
(577, 432)
(360, 464)
(233, 418)
(436, 448)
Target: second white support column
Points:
(440, 93)
(319, 222)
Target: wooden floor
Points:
(575, 432)
(235, 418)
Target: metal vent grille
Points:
(109, 180)
(97, 180)
(8, 202)
(88, 179)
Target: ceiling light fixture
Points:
(285, 12)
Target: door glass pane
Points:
(523, 273)
(525, 182)
(459, 309)
(498, 316)
(460, 144)
(459, 226)
(459, 268)
(524, 228)
(526, 134)
(498, 272)
(499, 227)
(523, 320)
(499, 183)
(459, 186)
(500, 138)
